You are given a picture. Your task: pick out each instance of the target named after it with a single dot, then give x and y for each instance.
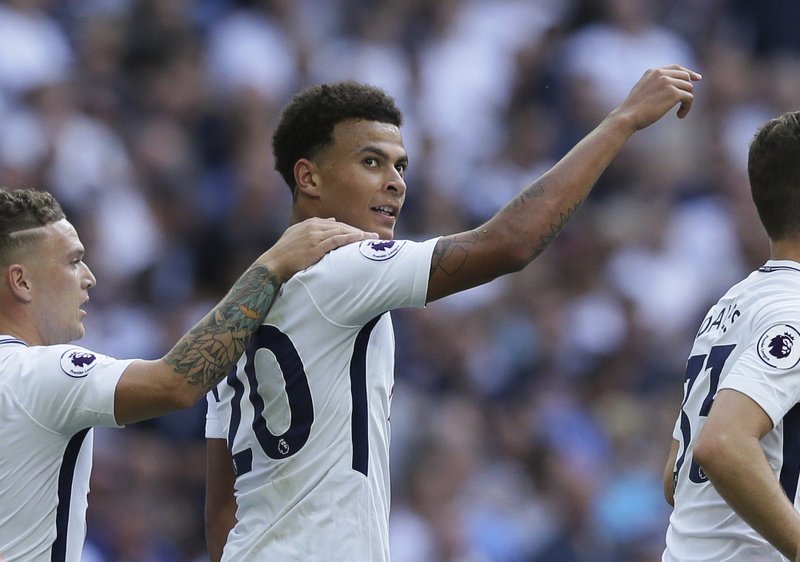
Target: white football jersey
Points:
(750, 342)
(306, 412)
(50, 397)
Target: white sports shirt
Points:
(50, 397)
(306, 412)
(750, 342)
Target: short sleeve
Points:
(355, 283)
(768, 370)
(69, 388)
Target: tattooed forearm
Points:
(534, 190)
(554, 229)
(506, 243)
(206, 353)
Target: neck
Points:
(15, 321)
(296, 216)
(21, 335)
(785, 250)
(301, 212)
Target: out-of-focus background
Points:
(532, 416)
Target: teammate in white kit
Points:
(52, 393)
(732, 472)
(299, 432)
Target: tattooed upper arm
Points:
(451, 252)
(452, 265)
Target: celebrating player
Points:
(299, 433)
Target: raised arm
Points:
(207, 352)
(527, 224)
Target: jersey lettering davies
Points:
(720, 321)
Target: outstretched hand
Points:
(656, 92)
(304, 243)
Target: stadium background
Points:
(531, 416)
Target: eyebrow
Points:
(77, 252)
(382, 153)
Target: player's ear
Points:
(306, 177)
(17, 278)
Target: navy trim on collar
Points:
(773, 268)
(6, 340)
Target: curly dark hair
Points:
(24, 209)
(773, 166)
(307, 122)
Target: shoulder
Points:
(360, 260)
(63, 387)
(367, 278)
(768, 295)
(54, 367)
(380, 251)
(37, 372)
(70, 360)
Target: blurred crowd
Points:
(531, 416)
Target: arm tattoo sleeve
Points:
(208, 351)
(552, 230)
(533, 227)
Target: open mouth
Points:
(385, 210)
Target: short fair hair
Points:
(22, 211)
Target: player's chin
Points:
(383, 226)
(385, 231)
(78, 332)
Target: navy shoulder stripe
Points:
(772, 269)
(13, 341)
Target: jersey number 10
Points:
(301, 405)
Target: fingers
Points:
(317, 229)
(339, 232)
(324, 235)
(692, 75)
(657, 91)
(685, 90)
(333, 241)
(334, 234)
(683, 82)
(684, 108)
(306, 242)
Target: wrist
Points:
(622, 122)
(274, 268)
